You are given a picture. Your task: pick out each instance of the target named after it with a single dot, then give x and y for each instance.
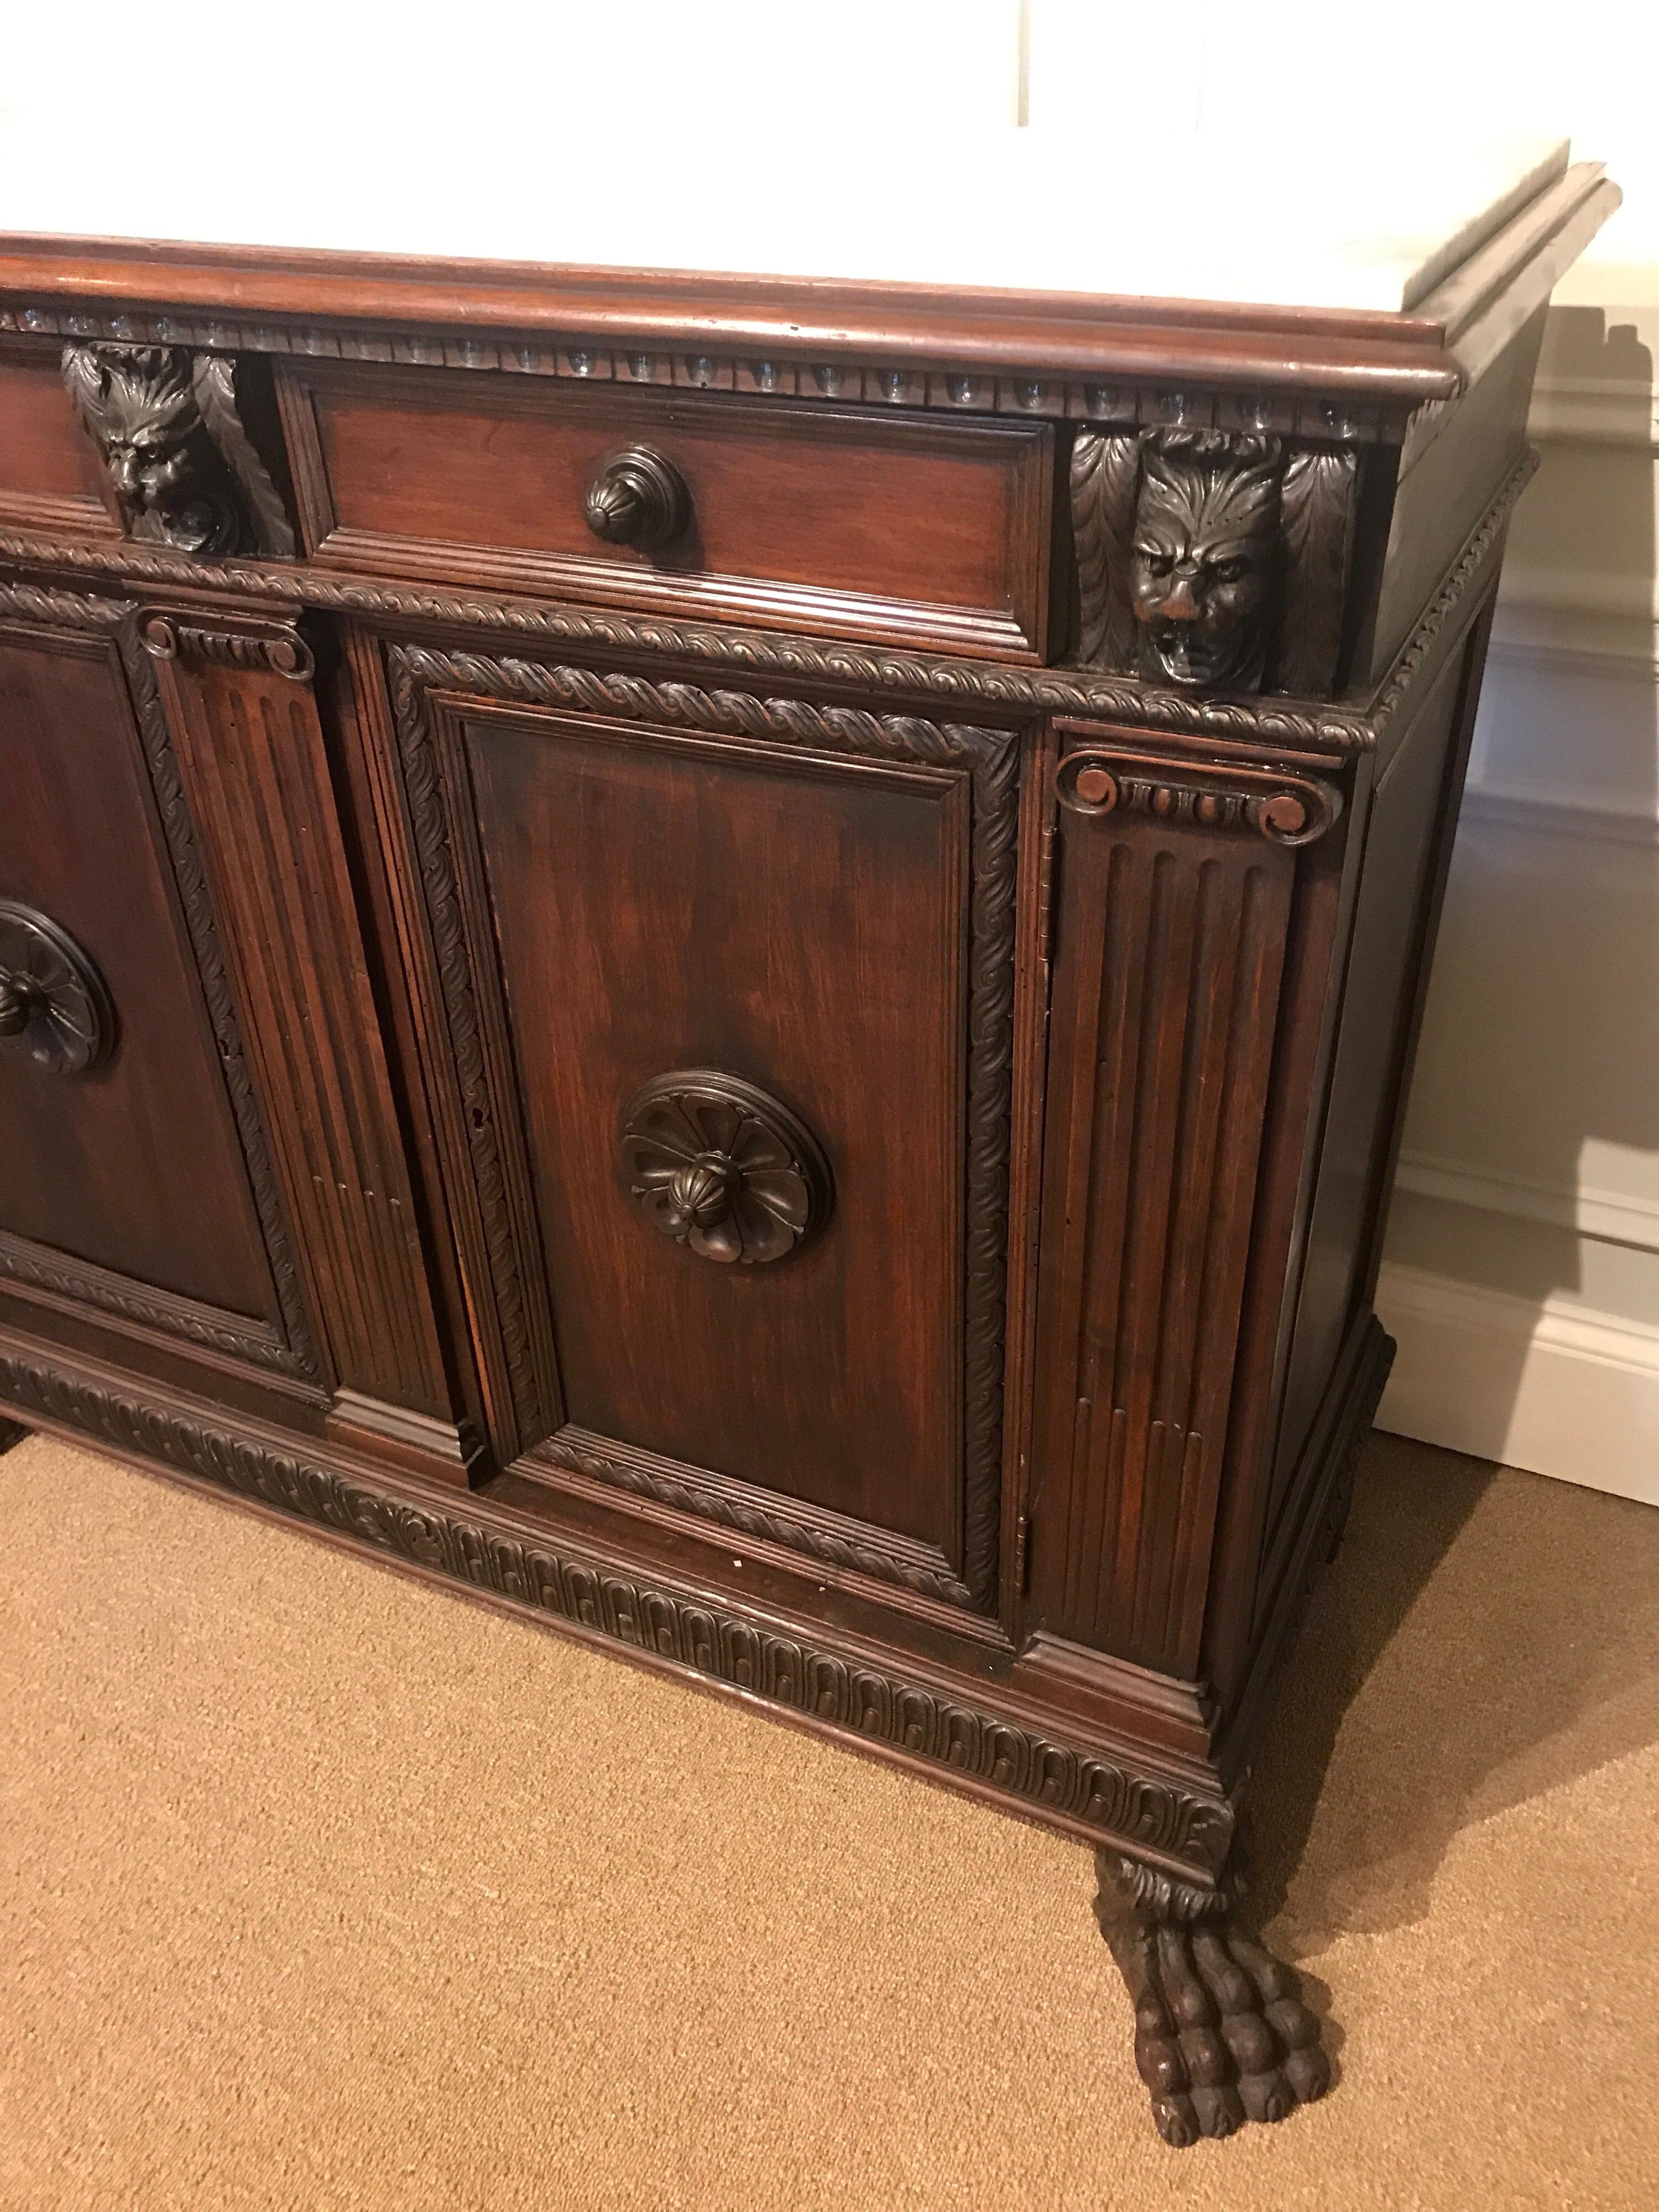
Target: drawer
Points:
(851, 521)
(50, 480)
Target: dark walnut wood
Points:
(141, 1186)
(52, 999)
(1221, 2035)
(751, 991)
(855, 522)
(721, 1166)
(1214, 560)
(178, 460)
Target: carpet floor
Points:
(325, 1891)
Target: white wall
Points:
(1521, 1276)
(1523, 1269)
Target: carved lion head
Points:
(1203, 574)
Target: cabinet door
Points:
(135, 1182)
(725, 988)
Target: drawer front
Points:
(134, 1185)
(850, 520)
(728, 1008)
(50, 480)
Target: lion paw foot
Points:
(1221, 2035)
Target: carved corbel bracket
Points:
(1216, 560)
(178, 461)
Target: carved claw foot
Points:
(1221, 2036)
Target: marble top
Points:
(1360, 222)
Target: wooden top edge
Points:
(479, 291)
(1405, 355)
(1356, 350)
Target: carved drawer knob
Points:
(722, 1167)
(52, 997)
(639, 499)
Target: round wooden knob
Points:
(638, 499)
(1096, 788)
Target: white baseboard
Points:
(1549, 1387)
(1612, 1217)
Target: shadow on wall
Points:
(1540, 1043)
(1486, 1638)
(1483, 1638)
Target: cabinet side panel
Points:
(1167, 979)
(1407, 841)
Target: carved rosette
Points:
(180, 464)
(722, 1167)
(52, 999)
(1214, 561)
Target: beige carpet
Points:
(324, 1890)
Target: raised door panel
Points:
(137, 1185)
(813, 909)
(1177, 876)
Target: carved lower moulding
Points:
(762, 1517)
(54, 1278)
(889, 1711)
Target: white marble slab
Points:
(579, 160)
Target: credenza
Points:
(732, 958)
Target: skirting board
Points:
(1545, 1386)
